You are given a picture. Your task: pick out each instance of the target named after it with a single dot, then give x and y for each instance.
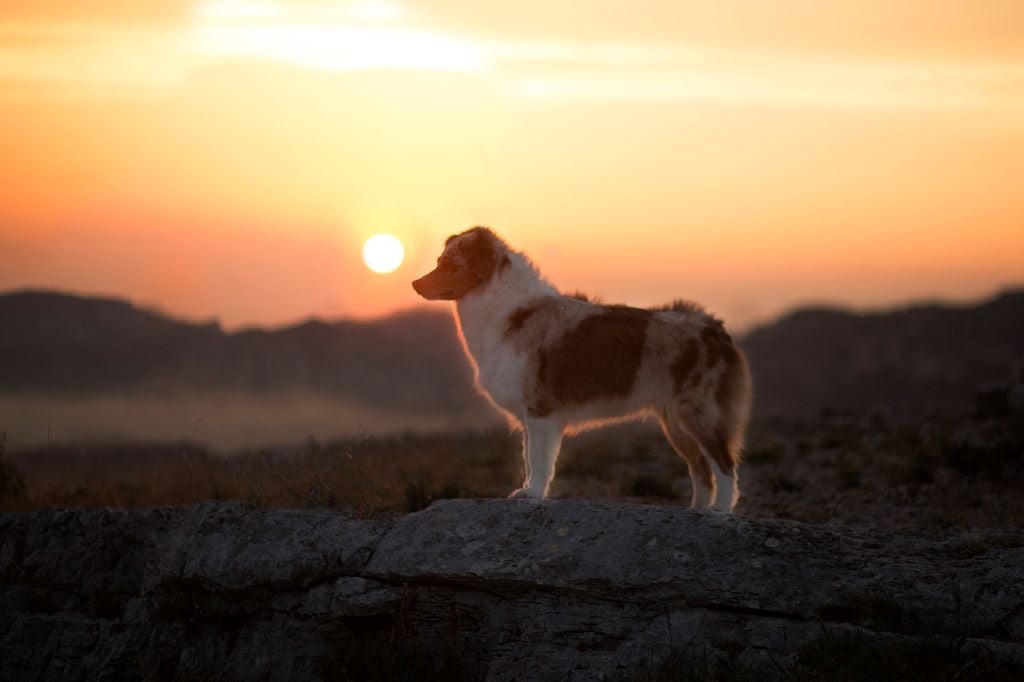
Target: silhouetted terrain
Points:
(931, 356)
(52, 342)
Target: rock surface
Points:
(513, 590)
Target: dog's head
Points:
(469, 259)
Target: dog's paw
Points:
(523, 494)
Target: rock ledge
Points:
(515, 590)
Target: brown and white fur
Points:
(555, 363)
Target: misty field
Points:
(910, 472)
(223, 421)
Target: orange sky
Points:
(228, 157)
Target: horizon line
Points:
(810, 305)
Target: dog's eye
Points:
(445, 265)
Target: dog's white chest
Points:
(499, 367)
(502, 377)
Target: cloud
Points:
(84, 58)
(772, 78)
(340, 48)
(837, 28)
(151, 12)
(681, 61)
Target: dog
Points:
(555, 363)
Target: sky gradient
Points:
(228, 158)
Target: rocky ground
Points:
(873, 545)
(500, 590)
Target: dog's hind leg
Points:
(723, 464)
(542, 442)
(700, 471)
(722, 454)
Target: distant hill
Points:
(52, 342)
(927, 355)
(921, 356)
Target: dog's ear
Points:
(484, 254)
(471, 232)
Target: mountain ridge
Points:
(63, 343)
(931, 354)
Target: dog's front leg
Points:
(520, 492)
(541, 443)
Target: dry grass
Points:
(399, 473)
(882, 472)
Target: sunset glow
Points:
(228, 158)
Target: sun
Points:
(383, 253)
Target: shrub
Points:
(12, 483)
